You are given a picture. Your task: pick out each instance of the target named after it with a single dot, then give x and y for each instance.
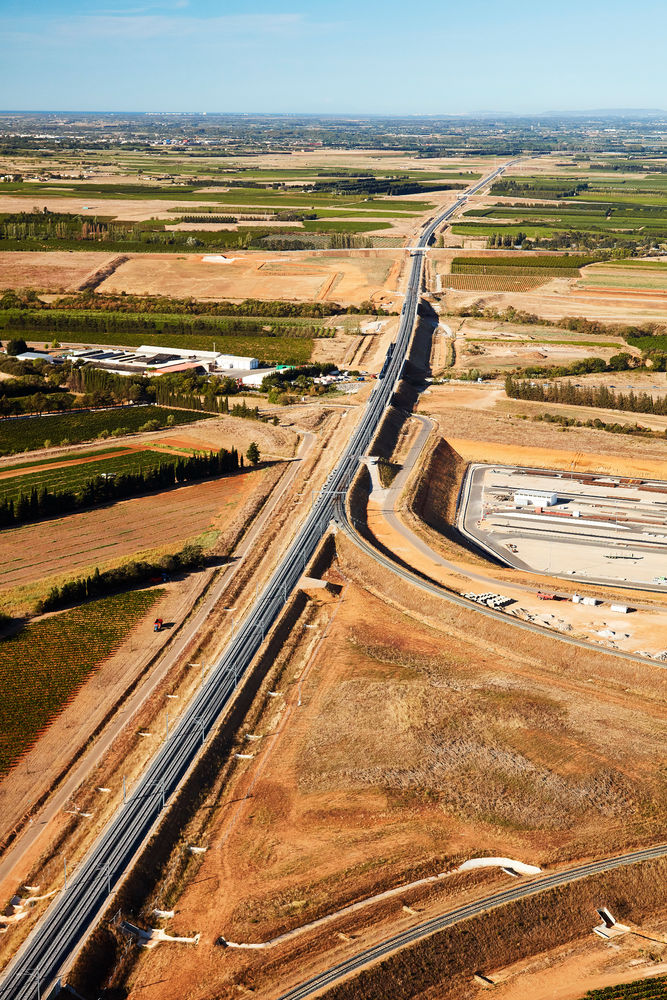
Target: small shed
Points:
(535, 498)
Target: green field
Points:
(313, 226)
(74, 477)
(594, 279)
(532, 263)
(30, 433)
(642, 263)
(599, 209)
(654, 988)
(241, 196)
(483, 230)
(88, 453)
(272, 349)
(100, 321)
(43, 666)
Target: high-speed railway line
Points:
(56, 938)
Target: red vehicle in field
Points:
(157, 625)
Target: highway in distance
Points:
(50, 947)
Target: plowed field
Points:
(58, 271)
(96, 537)
(492, 282)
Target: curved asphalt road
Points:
(55, 940)
(527, 887)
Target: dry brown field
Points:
(561, 297)
(475, 421)
(568, 972)
(67, 546)
(52, 271)
(380, 763)
(346, 277)
(489, 354)
(488, 346)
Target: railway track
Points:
(55, 940)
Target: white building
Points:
(209, 357)
(232, 361)
(535, 498)
(255, 378)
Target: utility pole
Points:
(65, 869)
(36, 973)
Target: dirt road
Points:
(27, 842)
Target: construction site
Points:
(601, 529)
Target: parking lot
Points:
(602, 529)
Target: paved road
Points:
(527, 887)
(89, 759)
(440, 590)
(471, 512)
(56, 938)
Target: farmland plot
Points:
(493, 282)
(43, 666)
(31, 433)
(76, 475)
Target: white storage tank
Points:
(622, 609)
(590, 600)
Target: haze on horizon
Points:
(293, 56)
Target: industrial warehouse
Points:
(154, 360)
(601, 529)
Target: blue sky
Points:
(353, 56)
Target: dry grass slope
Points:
(442, 966)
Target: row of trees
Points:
(104, 302)
(208, 403)
(498, 240)
(46, 400)
(598, 396)
(111, 581)
(546, 189)
(636, 430)
(62, 321)
(39, 504)
(585, 366)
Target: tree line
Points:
(104, 302)
(548, 190)
(598, 396)
(498, 240)
(122, 578)
(63, 322)
(39, 504)
(208, 403)
(585, 366)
